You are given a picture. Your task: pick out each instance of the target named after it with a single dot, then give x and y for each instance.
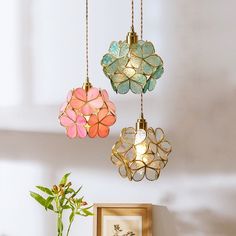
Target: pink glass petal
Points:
(81, 131)
(69, 96)
(103, 131)
(87, 109)
(93, 131)
(63, 107)
(76, 103)
(71, 114)
(105, 95)
(102, 114)
(71, 131)
(80, 94)
(109, 120)
(111, 107)
(81, 120)
(66, 121)
(97, 103)
(92, 94)
(80, 104)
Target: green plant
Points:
(61, 198)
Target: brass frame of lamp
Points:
(132, 64)
(141, 151)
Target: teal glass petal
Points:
(151, 84)
(112, 68)
(147, 49)
(129, 72)
(105, 72)
(137, 83)
(119, 78)
(139, 78)
(114, 49)
(135, 61)
(113, 86)
(147, 69)
(136, 50)
(158, 73)
(124, 49)
(122, 63)
(119, 49)
(154, 60)
(146, 86)
(107, 60)
(135, 87)
(136, 68)
(123, 87)
(141, 42)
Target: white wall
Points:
(42, 58)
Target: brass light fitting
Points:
(132, 37)
(141, 123)
(87, 85)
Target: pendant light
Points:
(132, 64)
(87, 110)
(141, 151)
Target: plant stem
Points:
(68, 230)
(59, 218)
(59, 224)
(71, 221)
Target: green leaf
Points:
(87, 212)
(66, 207)
(77, 191)
(48, 203)
(88, 207)
(45, 190)
(70, 190)
(79, 200)
(72, 216)
(64, 179)
(40, 200)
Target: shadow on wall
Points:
(201, 222)
(163, 222)
(55, 150)
(205, 222)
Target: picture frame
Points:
(122, 219)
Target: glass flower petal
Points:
(144, 153)
(87, 111)
(124, 62)
(123, 87)
(71, 131)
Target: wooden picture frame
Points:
(122, 219)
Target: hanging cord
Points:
(87, 43)
(141, 34)
(132, 15)
(141, 21)
(142, 105)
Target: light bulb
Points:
(141, 152)
(140, 144)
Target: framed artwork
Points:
(122, 220)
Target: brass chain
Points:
(132, 14)
(87, 43)
(142, 105)
(141, 34)
(141, 21)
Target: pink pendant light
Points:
(87, 110)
